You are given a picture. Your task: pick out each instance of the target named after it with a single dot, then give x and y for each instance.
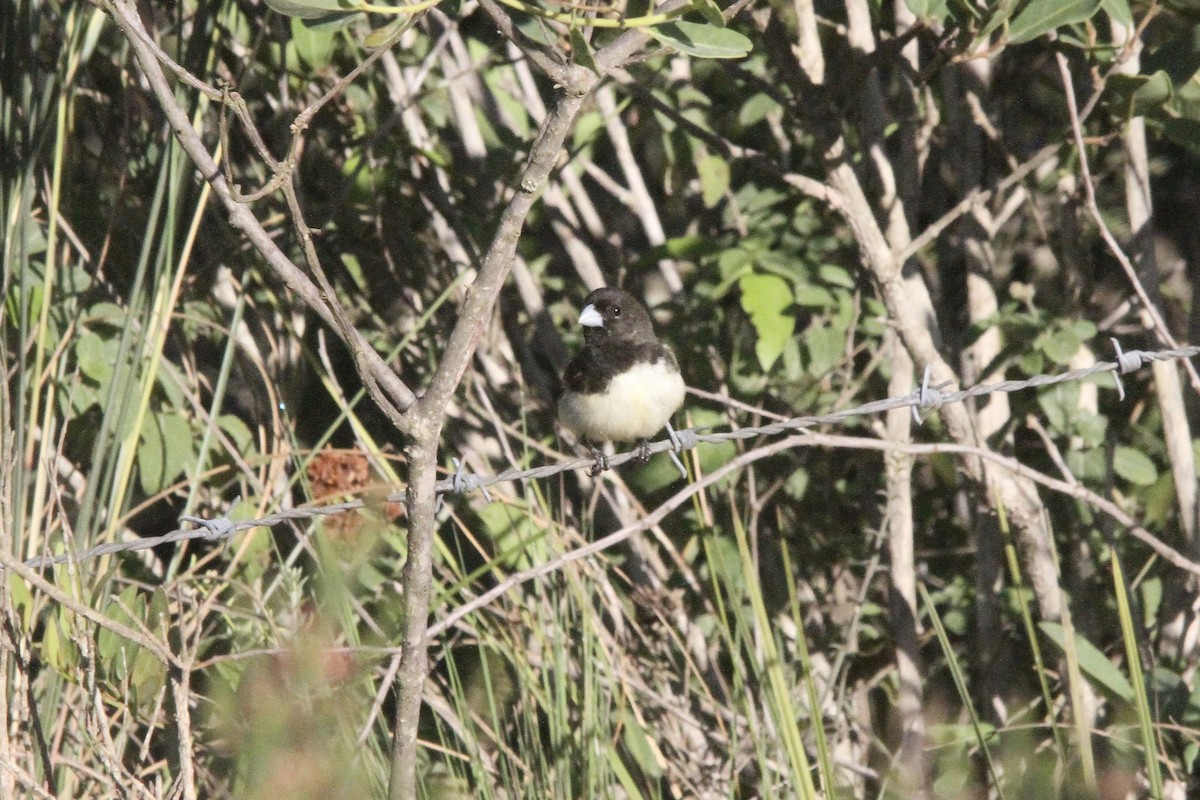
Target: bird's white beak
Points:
(590, 317)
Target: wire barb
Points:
(681, 440)
(214, 529)
(686, 439)
(1126, 363)
(927, 398)
(462, 482)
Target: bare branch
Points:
(1160, 326)
(125, 14)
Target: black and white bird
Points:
(624, 385)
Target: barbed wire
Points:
(924, 398)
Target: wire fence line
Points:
(924, 398)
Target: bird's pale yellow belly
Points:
(635, 405)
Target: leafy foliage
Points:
(159, 366)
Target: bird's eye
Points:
(616, 312)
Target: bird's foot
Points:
(600, 464)
(644, 451)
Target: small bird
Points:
(624, 385)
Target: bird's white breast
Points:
(634, 406)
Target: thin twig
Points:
(817, 440)
(126, 16)
(1089, 190)
(974, 200)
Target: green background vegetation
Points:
(821, 621)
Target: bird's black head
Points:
(613, 315)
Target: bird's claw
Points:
(644, 451)
(600, 465)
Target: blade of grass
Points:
(960, 684)
(785, 714)
(1031, 630)
(1087, 757)
(166, 298)
(828, 778)
(1137, 678)
(41, 341)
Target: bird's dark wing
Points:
(591, 370)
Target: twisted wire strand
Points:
(925, 397)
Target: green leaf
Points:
(690, 247)
(714, 179)
(1000, 14)
(151, 456)
(158, 613)
(797, 484)
(52, 646)
(108, 314)
(756, 109)
(659, 473)
(1141, 95)
(1085, 329)
(237, 431)
(637, 744)
(96, 356)
(928, 10)
(1042, 16)
(313, 43)
(81, 397)
(147, 676)
(836, 275)
(513, 533)
(165, 450)
(729, 278)
(826, 347)
(1060, 403)
(1152, 96)
(1134, 466)
(766, 298)
(726, 564)
(587, 130)
(21, 599)
(332, 23)
(814, 296)
(1118, 11)
(172, 382)
(116, 652)
(1090, 427)
(581, 51)
(308, 9)
(1158, 501)
(1060, 344)
(702, 40)
(711, 12)
(1091, 661)
(1031, 362)
(1187, 99)
(793, 364)
(1152, 593)
(60, 650)
(1088, 465)
(380, 35)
